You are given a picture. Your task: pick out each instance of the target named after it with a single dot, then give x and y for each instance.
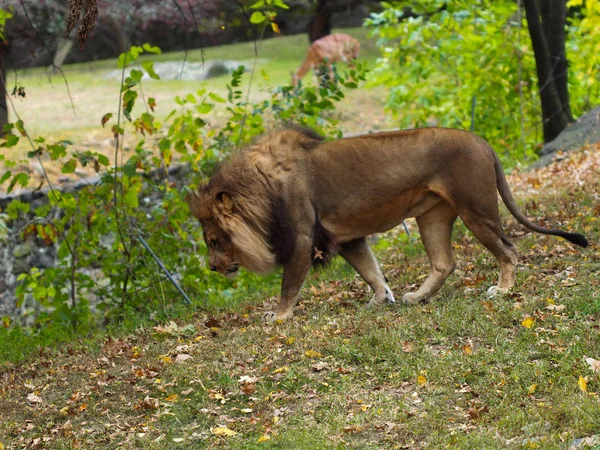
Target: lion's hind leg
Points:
(435, 227)
(487, 228)
(359, 255)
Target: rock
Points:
(22, 250)
(189, 71)
(585, 130)
(42, 260)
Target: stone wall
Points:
(19, 256)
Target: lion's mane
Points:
(258, 220)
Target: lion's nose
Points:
(212, 267)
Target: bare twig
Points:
(164, 269)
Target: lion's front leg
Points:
(294, 275)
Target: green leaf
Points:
(280, 4)
(164, 144)
(151, 48)
(131, 198)
(149, 67)
(258, 4)
(216, 98)
(6, 176)
(136, 75)
(128, 103)
(103, 160)
(10, 140)
(69, 166)
(204, 108)
(56, 151)
(257, 17)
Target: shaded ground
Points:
(464, 371)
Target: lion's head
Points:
(242, 209)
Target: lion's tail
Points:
(509, 201)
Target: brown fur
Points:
(326, 51)
(277, 201)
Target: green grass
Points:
(461, 371)
(47, 107)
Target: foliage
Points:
(584, 52)
(472, 54)
(97, 228)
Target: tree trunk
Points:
(3, 102)
(554, 116)
(554, 15)
(319, 24)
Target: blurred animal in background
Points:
(327, 51)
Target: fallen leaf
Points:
(318, 367)
(222, 431)
(421, 380)
(264, 437)
(178, 440)
(594, 364)
(407, 347)
(246, 410)
(582, 382)
(467, 350)
(312, 354)
(33, 398)
(182, 357)
(528, 322)
(532, 389)
(187, 391)
(172, 398)
(212, 323)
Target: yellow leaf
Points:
(467, 350)
(264, 437)
(222, 431)
(421, 380)
(281, 369)
(1, 446)
(582, 383)
(528, 322)
(275, 27)
(290, 340)
(532, 389)
(166, 359)
(62, 411)
(312, 354)
(172, 398)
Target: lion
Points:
(292, 199)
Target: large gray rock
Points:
(188, 71)
(585, 130)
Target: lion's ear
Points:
(197, 205)
(225, 201)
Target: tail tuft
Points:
(576, 238)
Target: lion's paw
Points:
(495, 290)
(272, 316)
(409, 299)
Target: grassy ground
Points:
(47, 108)
(464, 371)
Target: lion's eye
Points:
(213, 242)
